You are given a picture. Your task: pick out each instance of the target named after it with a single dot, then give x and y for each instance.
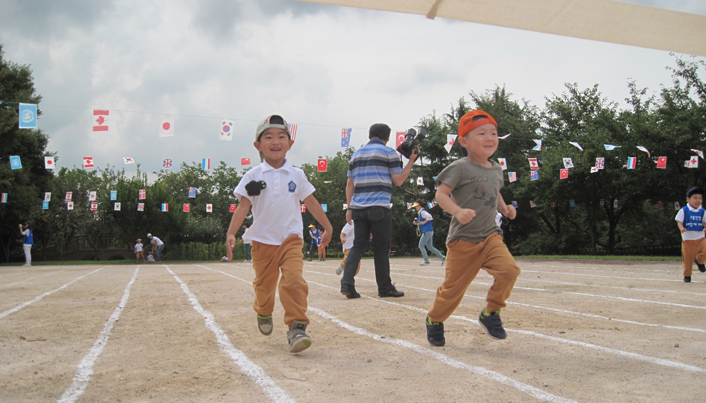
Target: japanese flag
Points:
(166, 128)
(70, 205)
(420, 181)
(88, 162)
(49, 162)
(503, 163)
(322, 165)
(92, 195)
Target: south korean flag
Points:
(226, 130)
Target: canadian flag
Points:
(533, 163)
(166, 129)
(323, 165)
(69, 196)
(88, 162)
(49, 162)
(100, 120)
(232, 208)
(209, 208)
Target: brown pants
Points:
(268, 262)
(343, 262)
(690, 251)
(463, 261)
(322, 252)
(139, 255)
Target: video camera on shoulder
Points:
(412, 139)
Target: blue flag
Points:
(45, 205)
(15, 162)
(346, 137)
(324, 207)
(192, 192)
(28, 116)
(113, 195)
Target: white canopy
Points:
(599, 20)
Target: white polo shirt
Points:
(276, 210)
(349, 232)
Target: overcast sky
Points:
(321, 67)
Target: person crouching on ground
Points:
(691, 219)
(274, 189)
(469, 190)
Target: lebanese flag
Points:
(323, 165)
(88, 162)
(232, 208)
(100, 120)
(166, 129)
(245, 161)
(49, 162)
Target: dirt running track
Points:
(577, 331)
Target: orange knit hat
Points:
(473, 119)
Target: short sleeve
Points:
(394, 163)
(449, 176)
(680, 216)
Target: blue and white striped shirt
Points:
(371, 168)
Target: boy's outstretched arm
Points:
(508, 211)
(235, 222)
(443, 199)
(315, 209)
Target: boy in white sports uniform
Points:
(691, 220)
(347, 237)
(274, 189)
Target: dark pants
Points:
(157, 252)
(314, 246)
(378, 222)
(248, 256)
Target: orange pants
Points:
(463, 261)
(343, 262)
(139, 255)
(322, 252)
(690, 251)
(268, 261)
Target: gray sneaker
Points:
(443, 260)
(297, 338)
(339, 269)
(264, 323)
(424, 263)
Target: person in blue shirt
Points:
(426, 241)
(691, 220)
(314, 233)
(27, 243)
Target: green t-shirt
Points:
(473, 187)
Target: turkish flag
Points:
(245, 161)
(232, 208)
(563, 174)
(323, 165)
(662, 163)
(88, 162)
(187, 207)
(400, 138)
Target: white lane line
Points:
(85, 368)
(247, 367)
(31, 278)
(18, 307)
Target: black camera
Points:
(412, 139)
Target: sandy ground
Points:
(577, 331)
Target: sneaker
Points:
(349, 292)
(339, 269)
(264, 323)
(492, 324)
(701, 266)
(687, 279)
(297, 338)
(309, 259)
(443, 260)
(392, 292)
(435, 333)
(426, 262)
(324, 259)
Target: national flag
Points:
(140, 206)
(693, 162)
(165, 207)
(3, 198)
(88, 162)
(209, 208)
(166, 129)
(601, 203)
(113, 195)
(232, 208)
(660, 205)
(572, 203)
(533, 204)
(100, 120)
(610, 147)
(69, 196)
(701, 153)
(322, 165)
(226, 130)
(662, 162)
(600, 163)
(575, 144)
(128, 160)
(534, 175)
(45, 205)
(325, 207)
(677, 206)
(514, 204)
(451, 139)
(552, 204)
(345, 206)
(420, 181)
(94, 206)
(142, 194)
(632, 162)
(512, 176)
(116, 206)
(409, 205)
(594, 170)
(47, 196)
(346, 136)
(502, 162)
(293, 130)
(430, 204)
(399, 139)
(49, 162)
(28, 116)
(533, 163)
(92, 195)
(302, 207)
(187, 207)
(192, 193)
(538, 147)
(15, 162)
(641, 148)
(205, 163)
(563, 174)
(505, 136)
(167, 163)
(245, 161)
(70, 205)
(568, 163)
(615, 203)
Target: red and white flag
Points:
(232, 208)
(69, 196)
(70, 205)
(322, 165)
(564, 173)
(420, 181)
(94, 206)
(187, 207)
(662, 162)
(100, 120)
(49, 162)
(533, 163)
(293, 131)
(503, 163)
(166, 128)
(88, 162)
(245, 161)
(92, 195)
(399, 136)
(209, 208)
(116, 206)
(302, 207)
(142, 194)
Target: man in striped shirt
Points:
(371, 172)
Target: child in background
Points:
(150, 258)
(690, 221)
(347, 237)
(138, 251)
(274, 189)
(469, 190)
(322, 249)
(314, 234)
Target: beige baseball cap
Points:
(275, 121)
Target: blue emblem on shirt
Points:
(292, 186)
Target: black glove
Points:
(254, 188)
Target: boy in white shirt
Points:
(274, 189)
(691, 220)
(347, 237)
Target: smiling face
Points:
(273, 145)
(695, 200)
(481, 142)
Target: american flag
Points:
(167, 163)
(512, 176)
(293, 130)
(533, 204)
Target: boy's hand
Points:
(230, 244)
(683, 230)
(465, 215)
(510, 212)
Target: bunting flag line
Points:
(346, 137)
(632, 162)
(192, 193)
(206, 164)
(45, 205)
(533, 163)
(116, 206)
(69, 196)
(142, 194)
(245, 161)
(575, 144)
(100, 120)
(610, 147)
(293, 130)
(49, 162)
(563, 173)
(662, 162)
(641, 148)
(88, 162)
(322, 165)
(502, 162)
(568, 163)
(534, 175)
(165, 207)
(187, 207)
(47, 196)
(226, 130)
(70, 205)
(92, 195)
(209, 208)
(538, 147)
(140, 206)
(28, 116)
(166, 129)
(512, 176)
(128, 160)
(167, 163)
(232, 208)
(15, 162)
(113, 195)
(3, 198)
